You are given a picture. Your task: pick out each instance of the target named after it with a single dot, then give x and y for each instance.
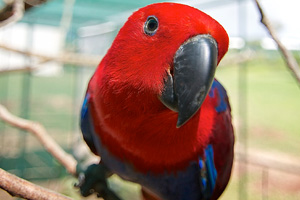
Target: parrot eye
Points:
(151, 25)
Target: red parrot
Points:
(153, 110)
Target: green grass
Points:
(51, 103)
(51, 99)
(272, 103)
(272, 116)
(272, 189)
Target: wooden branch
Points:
(34, 2)
(287, 55)
(82, 60)
(14, 10)
(6, 12)
(11, 13)
(17, 69)
(41, 134)
(22, 188)
(25, 68)
(18, 187)
(256, 159)
(238, 58)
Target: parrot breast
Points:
(145, 135)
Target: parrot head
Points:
(170, 51)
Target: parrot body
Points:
(150, 117)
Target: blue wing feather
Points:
(222, 106)
(86, 124)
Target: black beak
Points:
(195, 64)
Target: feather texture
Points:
(125, 123)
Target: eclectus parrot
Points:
(153, 110)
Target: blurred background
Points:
(65, 40)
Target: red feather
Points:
(128, 116)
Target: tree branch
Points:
(66, 58)
(18, 187)
(41, 134)
(11, 13)
(34, 2)
(287, 55)
(22, 188)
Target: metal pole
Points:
(265, 183)
(4, 100)
(25, 105)
(243, 105)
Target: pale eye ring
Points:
(151, 25)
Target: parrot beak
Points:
(194, 69)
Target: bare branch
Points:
(17, 69)
(11, 13)
(22, 188)
(237, 58)
(25, 68)
(41, 134)
(287, 55)
(82, 60)
(18, 187)
(264, 160)
(35, 2)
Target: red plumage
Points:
(127, 114)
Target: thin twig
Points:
(18, 187)
(268, 162)
(17, 69)
(24, 68)
(238, 58)
(76, 59)
(41, 134)
(287, 55)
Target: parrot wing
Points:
(222, 138)
(86, 125)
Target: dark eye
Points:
(151, 25)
